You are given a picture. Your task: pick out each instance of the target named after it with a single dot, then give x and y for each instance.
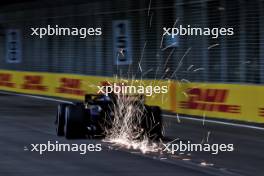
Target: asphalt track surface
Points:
(25, 121)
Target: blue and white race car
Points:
(96, 115)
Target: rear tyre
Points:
(74, 122)
(154, 122)
(60, 119)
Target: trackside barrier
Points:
(228, 101)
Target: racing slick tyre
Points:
(60, 121)
(74, 122)
(154, 122)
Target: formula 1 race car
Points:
(96, 115)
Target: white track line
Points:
(37, 97)
(165, 115)
(217, 122)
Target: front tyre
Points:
(60, 121)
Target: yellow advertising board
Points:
(226, 101)
(70, 86)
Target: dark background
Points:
(236, 59)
